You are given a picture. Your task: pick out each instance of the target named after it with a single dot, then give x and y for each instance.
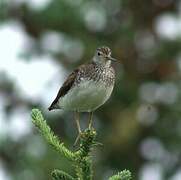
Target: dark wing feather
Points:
(65, 88)
(70, 81)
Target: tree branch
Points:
(123, 175)
(61, 175)
(81, 158)
(51, 138)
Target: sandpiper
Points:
(87, 87)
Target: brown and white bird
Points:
(87, 87)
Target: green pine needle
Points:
(123, 175)
(51, 138)
(61, 175)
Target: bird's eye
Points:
(98, 53)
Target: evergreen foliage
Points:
(81, 158)
(123, 175)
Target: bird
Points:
(88, 87)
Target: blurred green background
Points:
(42, 41)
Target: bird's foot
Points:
(95, 143)
(87, 136)
(90, 128)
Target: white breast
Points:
(85, 97)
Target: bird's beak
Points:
(112, 59)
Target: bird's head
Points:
(102, 56)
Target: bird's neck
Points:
(102, 65)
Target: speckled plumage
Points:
(96, 73)
(87, 87)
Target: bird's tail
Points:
(50, 108)
(53, 106)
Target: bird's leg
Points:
(90, 119)
(77, 117)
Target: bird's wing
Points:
(65, 88)
(68, 84)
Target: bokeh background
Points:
(42, 41)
